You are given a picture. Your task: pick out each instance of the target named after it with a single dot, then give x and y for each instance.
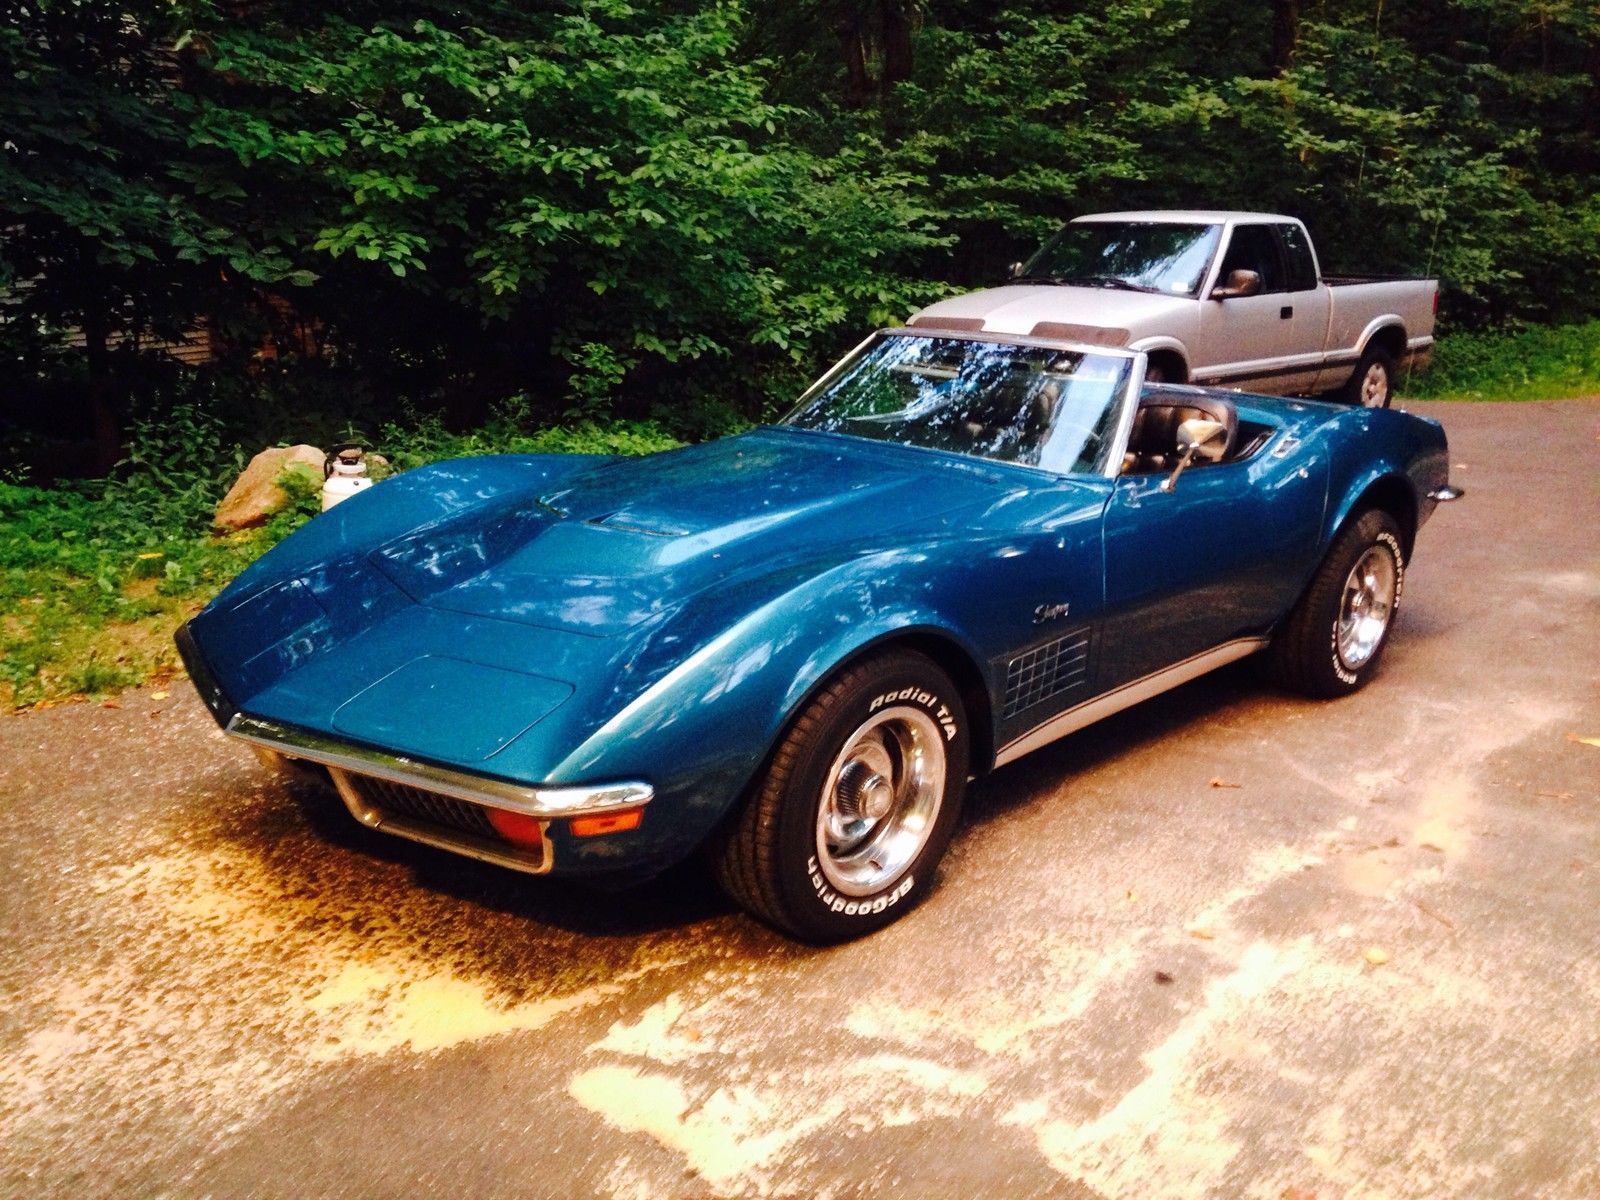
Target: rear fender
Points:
(1388, 328)
(1412, 460)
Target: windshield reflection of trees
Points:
(1163, 257)
(1025, 404)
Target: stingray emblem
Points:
(1050, 612)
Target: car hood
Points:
(618, 544)
(1019, 308)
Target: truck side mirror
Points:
(1240, 283)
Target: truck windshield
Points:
(1033, 405)
(1142, 255)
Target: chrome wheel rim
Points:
(880, 801)
(1366, 607)
(1375, 386)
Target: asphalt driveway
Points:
(1225, 944)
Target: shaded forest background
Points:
(679, 211)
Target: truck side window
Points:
(1255, 248)
(1302, 265)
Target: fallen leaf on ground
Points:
(1431, 846)
(158, 695)
(1163, 977)
(1219, 782)
(1587, 741)
(110, 704)
(1375, 956)
(1555, 795)
(1132, 896)
(1294, 1193)
(1204, 932)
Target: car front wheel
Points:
(1330, 643)
(844, 831)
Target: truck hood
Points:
(1019, 308)
(634, 538)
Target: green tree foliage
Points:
(1455, 137)
(685, 207)
(607, 195)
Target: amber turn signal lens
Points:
(517, 827)
(613, 822)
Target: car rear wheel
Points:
(1330, 643)
(844, 831)
(1372, 384)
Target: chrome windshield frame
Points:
(1130, 400)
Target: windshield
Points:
(1142, 255)
(1041, 407)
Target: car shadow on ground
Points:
(1019, 784)
(684, 895)
(687, 895)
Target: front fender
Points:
(701, 732)
(1150, 345)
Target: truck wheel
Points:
(1329, 644)
(845, 830)
(1372, 384)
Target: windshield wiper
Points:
(1110, 281)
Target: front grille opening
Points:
(428, 807)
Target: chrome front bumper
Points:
(436, 805)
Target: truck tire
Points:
(1371, 385)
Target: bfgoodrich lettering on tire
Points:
(1330, 643)
(845, 830)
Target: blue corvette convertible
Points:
(795, 647)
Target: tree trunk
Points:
(897, 62)
(104, 430)
(1285, 34)
(857, 81)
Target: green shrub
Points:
(1534, 363)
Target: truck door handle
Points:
(1286, 312)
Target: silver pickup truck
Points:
(1231, 299)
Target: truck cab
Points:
(1233, 299)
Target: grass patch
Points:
(1546, 362)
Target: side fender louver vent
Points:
(1046, 671)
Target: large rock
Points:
(255, 495)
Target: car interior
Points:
(1153, 443)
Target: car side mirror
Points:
(1198, 437)
(1014, 271)
(1240, 283)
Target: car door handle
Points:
(1286, 312)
